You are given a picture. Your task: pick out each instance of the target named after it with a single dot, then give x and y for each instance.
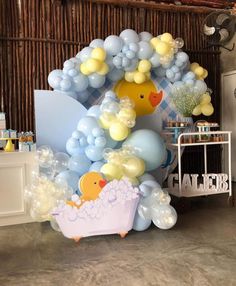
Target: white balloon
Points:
(164, 216)
(85, 54)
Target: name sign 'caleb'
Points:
(210, 182)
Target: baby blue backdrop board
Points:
(56, 117)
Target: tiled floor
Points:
(199, 250)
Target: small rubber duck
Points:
(90, 185)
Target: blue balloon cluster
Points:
(123, 54)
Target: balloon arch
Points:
(120, 80)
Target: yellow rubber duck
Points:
(90, 185)
(145, 96)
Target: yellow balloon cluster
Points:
(199, 71)
(164, 45)
(119, 123)
(122, 163)
(140, 75)
(205, 106)
(96, 63)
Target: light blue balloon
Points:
(152, 150)
(117, 61)
(113, 45)
(96, 80)
(54, 78)
(73, 72)
(160, 71)
(146, 177)
(65, 85)
(77, 134)
(83, 96)
(115, 74)
(182, 56)
(129, 36)
(97, 43)
(94, 153)
(133, 47)
(85, 54)
(145, 50)
(170, 74)
(96, 166)
(141, 224)
(130, 54)
(145, 36)
(94, 111)
(110, 142)
(73, 147)
(100, 141)
(133, 66)
(68, 64)
(126, 62)
(79, 163)
(98, 132)
(200, 86)
(80, 82)
(71, 178)
(155, 60)
(87, 124)
(175, 69)
(188, 75)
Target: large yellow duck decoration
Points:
(145, 95)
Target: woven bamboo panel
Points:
(38, 36)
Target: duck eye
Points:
(95, 183)
(141, 96)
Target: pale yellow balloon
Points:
(133, 167)
(111, 171)
(154, 42)
(144, 66)
(207, 109)
(126, 114)
(199, 71)
(205, 74)
(163, 48)
(104, 69)
(107, 119)
(148, 75)
(166, 37)
(134, 181)
(129, 76)
(118, 131)
(197, 110)
(98, 54)
(139, 77)
(205, 98)
(93, 65)
(84, 70)
(193, 66)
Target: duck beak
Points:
(155, 98)
(102, 183)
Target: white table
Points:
(178, 191)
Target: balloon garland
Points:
(103, 141)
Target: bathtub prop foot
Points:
(123, 234)
(77, 238)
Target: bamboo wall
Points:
(38, 36)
